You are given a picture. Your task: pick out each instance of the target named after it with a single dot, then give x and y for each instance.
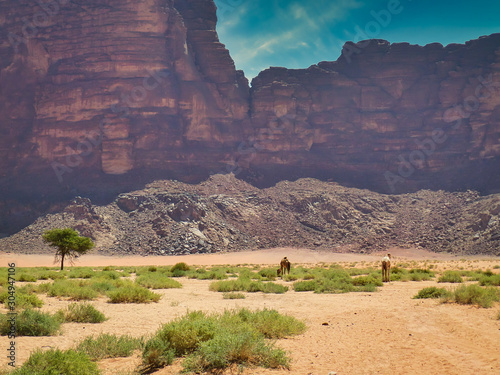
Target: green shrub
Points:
(244, 347)
(108, 346)
(157, 353)
(180, 266)
(83, 313)
(269, 287)
(233, 295)
(22, 299)
(214, 342)
(157, 281)
(111, 275)
(27, 277)
(418, 274)
(474, 295)
(132, 294)
(291, 277)
(432, 292)
(450, 277)
(202, 274)
(270, 323)
(185, 334)
(31, 323)
(366, 280)
(55, 362)
(493, 280)
(178, 273)
(81, 273)
(268, 273)
(76, 290)
(229, 285)
(244, 284)
(305, 286)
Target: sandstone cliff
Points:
(101, 96)
(388, 117)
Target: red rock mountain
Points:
(101, 96)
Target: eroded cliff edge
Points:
(101, 96)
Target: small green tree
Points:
(68, 242)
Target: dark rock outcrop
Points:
(226, 214)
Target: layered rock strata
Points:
(101, 96)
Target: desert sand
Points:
(385, 332)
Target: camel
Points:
(386, 268)
(284, 267)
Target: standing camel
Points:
(386, 268)
(284, 267)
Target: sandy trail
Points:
(268, 256)
(385, 332)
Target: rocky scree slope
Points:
(227, 214)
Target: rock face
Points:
(392, 118)
(101, 96)
(107, 87)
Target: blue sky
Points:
(297, 34)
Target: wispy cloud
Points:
(296, 34)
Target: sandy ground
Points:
(385, 332)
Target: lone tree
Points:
(68, 242)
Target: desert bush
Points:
(109, 346)
(361, 271)
(268, 273)
(83, 313)
(291, 277)
(432, 292)
(81, 273)
(157, 353)
(474, 295)
(214, 342)
(23, 299)
(31, 323)
(493, 280)
(180, 266)
(397, 273)
(244, 284)
(270, 323)
(103, 286)
(418, 274)
(55, 361)
(27, 277)
(450, 277)
(266, 287)
(76, 290)
(53, 275)
(111, 275)
(305, 286)
(366, 280)
(233, 295)
(228, 348)
(203, 274)
(185, 334)
(155, 280)
(229, 285)
(132, 293)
